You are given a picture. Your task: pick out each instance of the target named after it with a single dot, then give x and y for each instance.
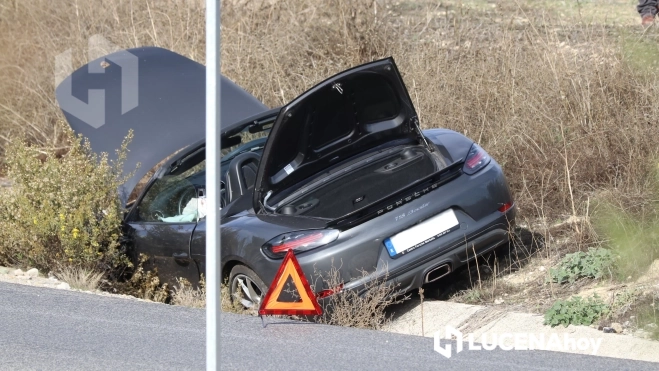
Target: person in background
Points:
(648, 10)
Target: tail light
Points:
(329, 292)
(505, 207)
(477, 159)
(298, 241)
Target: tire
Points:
(246, 287)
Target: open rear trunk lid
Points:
(343, 116)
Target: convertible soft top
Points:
(166, 113)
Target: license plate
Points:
(422, 233)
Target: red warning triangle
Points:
(308, 304)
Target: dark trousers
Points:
(647, 7)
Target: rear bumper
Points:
(492, 234)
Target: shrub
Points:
(62, 211)
(592, 264)
(576, 311)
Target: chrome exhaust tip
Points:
(437, 273)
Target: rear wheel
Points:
(246, 287)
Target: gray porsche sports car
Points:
(343, 175)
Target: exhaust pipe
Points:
(438, 272)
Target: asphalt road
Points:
(51, 329)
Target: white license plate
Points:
(422, 233)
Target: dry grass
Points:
(189, 296)
(562, 98)
(142, 283)
(33, 32)
(80, 278)
(185, 294)
(555, 102)
(364, 309)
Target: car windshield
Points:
(175, 197)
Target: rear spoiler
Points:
(398, 198)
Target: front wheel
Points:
(246, 287)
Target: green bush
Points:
(592, 264)
(576, 311)
(62, 210)
(632, 236)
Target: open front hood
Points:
(157, 93)
(347, 114)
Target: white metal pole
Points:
(213, 153)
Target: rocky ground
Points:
(31, 277)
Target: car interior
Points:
(179, 195)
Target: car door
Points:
(198, 246)
(167, 245)
(162, 222)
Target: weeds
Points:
(364, 309)
(592, 264)
(485, 292)
(186, 295)
(624, 302)
(648, 319)
(143, 284)
(637, 310)
(632, 233)
(576, 311)
(230, 304)
(470, 296)
(80, 278)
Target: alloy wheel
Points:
(247, 291)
